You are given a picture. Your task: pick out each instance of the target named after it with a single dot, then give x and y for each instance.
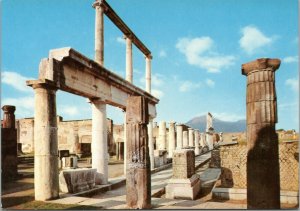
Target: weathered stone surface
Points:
(263, 189)
(191, 137)
(185, 141)
(197, 140)
(183, 164)
(9, 159)
(138, 186)
(172, 141)
(162, 140)
(69, 162)
(77, 180)
(184, 184)
(215, 161)
(179, 137)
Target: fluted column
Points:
(191, 137)
(185, 141)
(162, 136)
(263, 182)
(179, 137)
(197, 138)
(172, 143)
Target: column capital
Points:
(100, 3)
(9, 108)
(42, 83)
(260, 64)
(130, 37)
(149, 56)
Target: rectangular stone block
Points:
(77, 180)
(183, 164)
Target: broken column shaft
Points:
(138, 186)
(172, 143)
(263, 183)
(179, 137)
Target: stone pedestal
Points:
(138, 184)
(77, 180)
(263, 182)
(172, 140)
(179, 137)
(184, 184)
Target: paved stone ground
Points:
(116, 198)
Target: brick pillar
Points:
(138, 184)
(263, 182)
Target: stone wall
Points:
(234, 158)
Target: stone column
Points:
(150, 143)
(172, 140)
(99, 32)
(185, 139)
(179, 137)
(197, 138)
(9, 119)
(46, 183)
(129, 69)
(138, 184)
(191, 137)
(263, 182)
(148, 73)
(162, 136)
(99, 141)
(202, 140)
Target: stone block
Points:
(183, 188)
(183, 164)
(77, 180)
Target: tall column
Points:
(185, 141)
(148, 73)
(125, 142)
(179, 137)
(138, 184)
(162, 136)
(46, 183)
(197, 139)
(99, 32)
(191, 137)
(129, 69)
(99, 141)
(172, 140)
(150, 143)
(263, 182)
(202, 140)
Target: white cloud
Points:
(253, 39)
(284, 106)
(24, 105)
(157, 93)
(291, 59)
(186, 86)
(210, 82)
(162, 54)
(16, 81)
(121, 40)
(228, 116)
(199, 52)
(67, 110)
(293, 83)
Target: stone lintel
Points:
(42, 83)
(260, 64)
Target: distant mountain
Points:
(219, 125)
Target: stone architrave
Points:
(172, 141)
(184, 184)
(197, 139)
(191, 137)
(138, 184)
(263, 182)
(179, 136)
(162, 136)
(185, 139)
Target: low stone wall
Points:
(234, 160)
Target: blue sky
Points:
(198, 47)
